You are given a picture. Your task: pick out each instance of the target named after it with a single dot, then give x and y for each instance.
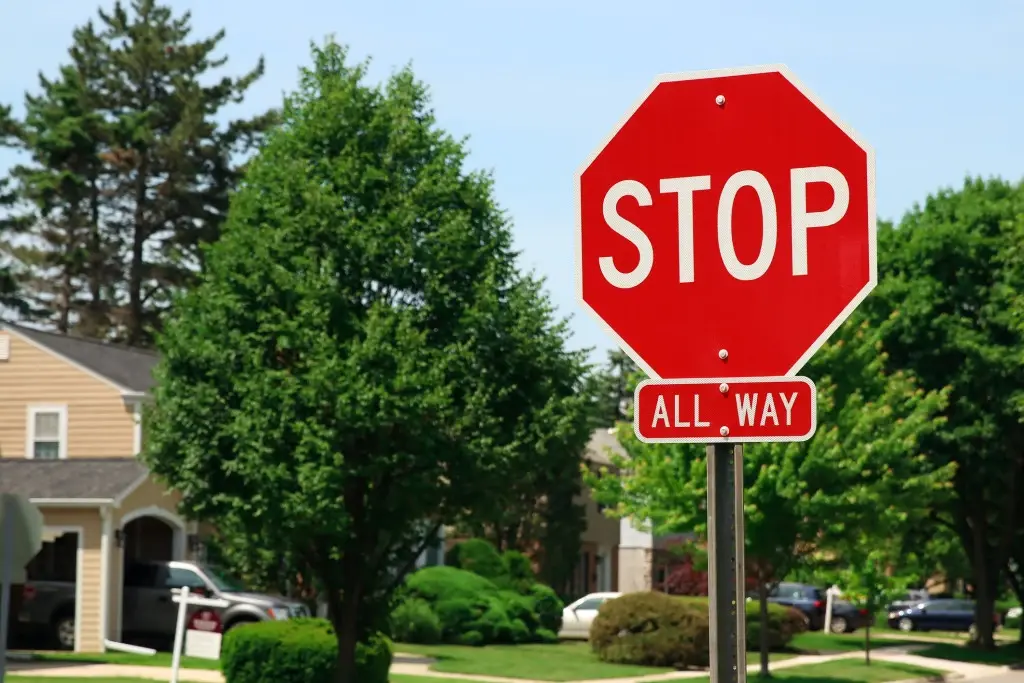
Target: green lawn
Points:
(840, 671)
(162, 659)
(817, 641)
(123, 679)
(1002, 656)
(561, 662)
(567, 661)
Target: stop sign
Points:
(727, 226)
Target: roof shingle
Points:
(86, 478)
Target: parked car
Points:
(578, 616)
(936, 615)
(908, 599)
(148, 610)
(811, 602)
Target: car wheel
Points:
(64, 632)
(838, 625)
(906, 624)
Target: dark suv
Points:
(810, 601)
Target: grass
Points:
(567, 661)
(395, 678)
(561, 662)
(161, 659)
(816, 641)
(1003, 655)
(840, 671)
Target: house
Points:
(70, 431)
(615, 554)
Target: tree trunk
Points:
(343, 612)
(867, 643)
(983, 599)
(139, 230)
(765, 644)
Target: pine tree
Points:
(129, 173)
(174, 165)
(66, 259)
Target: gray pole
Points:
(6, 558)
(726, 575)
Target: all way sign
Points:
(750, 410)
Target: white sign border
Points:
(786, 73)
(787, 379)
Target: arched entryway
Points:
(148, 535)
(152, 534)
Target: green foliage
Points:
(297, 650)
(335, 386)
(129, 166)
(440, 584)
(478, 556)
(548, 607)
(950, 306)
(518, 569)
(656, 629)
(863, 473)
(651, 629)
(412, 621)
(466, 605)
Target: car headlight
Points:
(278, 613)
(893, 615)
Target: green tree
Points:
(64, 259)
(174, 165)
(862, 472)
(335, 383)
(951, 312)
(612, 389)
(537, 509)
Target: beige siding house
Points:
(70, 431)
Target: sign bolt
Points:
(720, 100)
(723, 354)
(724, 388)
(724, 431)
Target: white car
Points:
(577, 617)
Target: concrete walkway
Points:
(413, 667)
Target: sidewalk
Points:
(86, 671)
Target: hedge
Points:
(297, 651)
(656, 629)
(452, 605)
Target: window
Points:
(179, 577)
(47, 432)
(140, 576)
(591, 604)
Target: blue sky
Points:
(935, 87)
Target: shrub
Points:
(435, 584)
(518, 570)
(520, 632)
(463, 601)
(521, 607)
(784, 623)
(547, 606)
(414, 622)
(472, 638)
(478, 556)
(651, 629)
(296, 650)
(543, 635)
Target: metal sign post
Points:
(726, 575)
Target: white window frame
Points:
(62, 432)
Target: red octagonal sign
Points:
(727, 226)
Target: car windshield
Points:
(223, 580)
